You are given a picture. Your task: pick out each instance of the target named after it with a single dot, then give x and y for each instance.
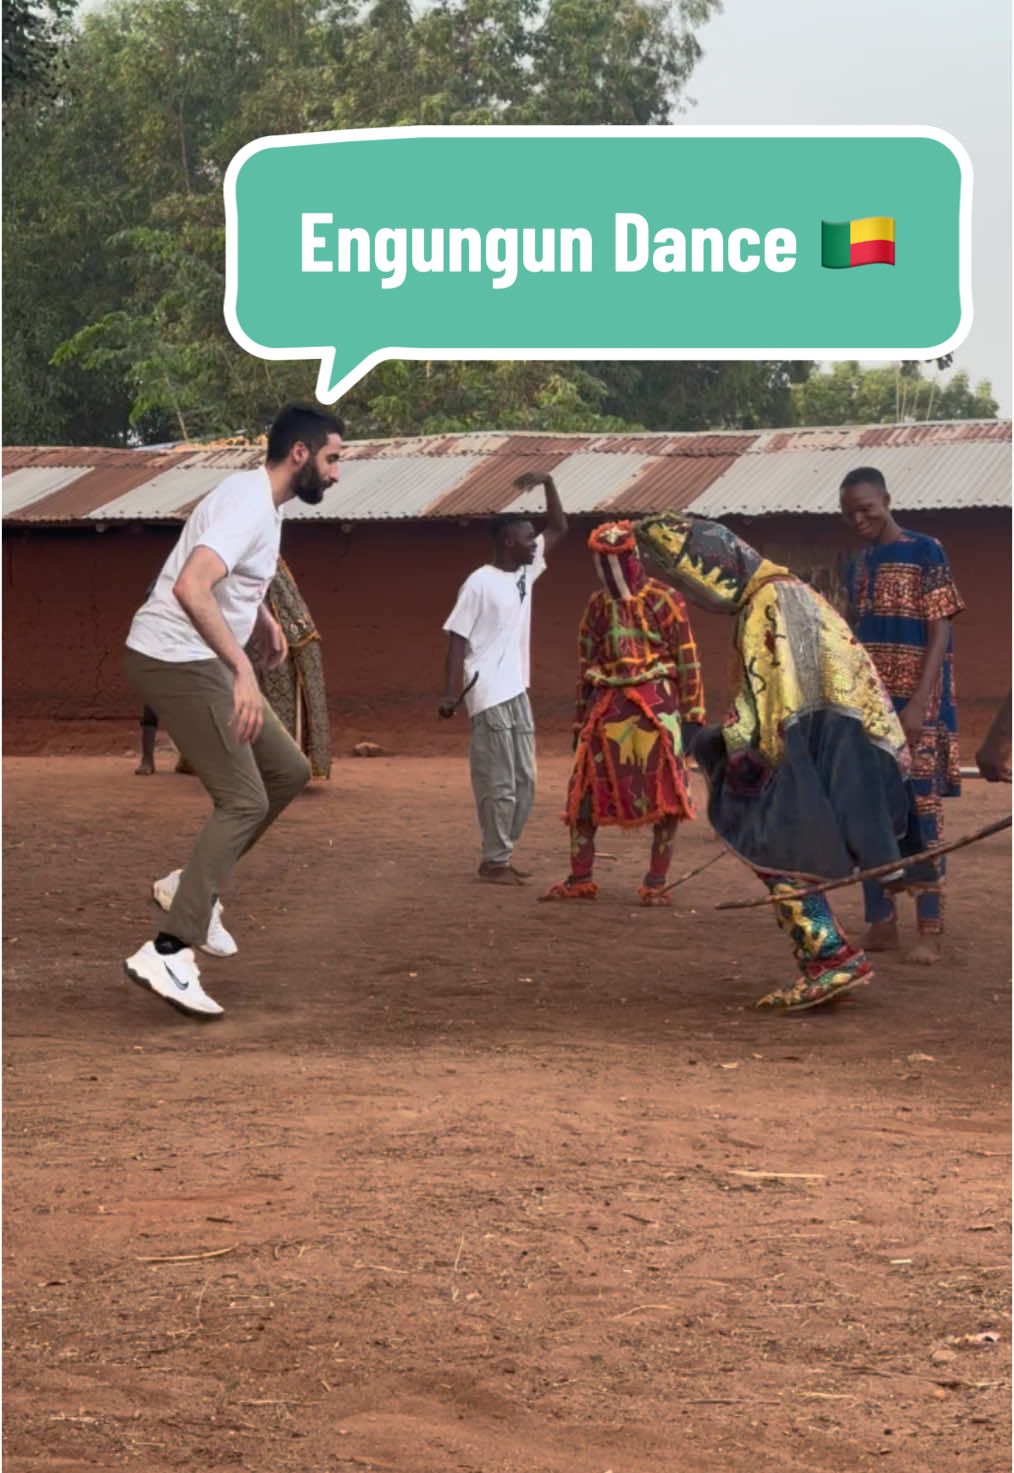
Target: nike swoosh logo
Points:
(181, 985)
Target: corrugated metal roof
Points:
(638, 444)
(843, 437)
(920, 478)
(226, 457)
(832, 437)
(69, 484)
(956, 431)
(669, 483)
(388, 487)
(724, 442)
(16, 456)
(31, 482)
(950, 464)
(584, 482)
(729, 442)
(490, 488)
(166, 496)
(479, 443)
(93, 490)
(640, 473)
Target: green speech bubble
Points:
(357, 247)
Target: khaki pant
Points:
(249, 783)
(502, 759)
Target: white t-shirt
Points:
(494, 614)
(239, 521)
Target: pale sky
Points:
(885, 61)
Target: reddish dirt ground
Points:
(466, 1184)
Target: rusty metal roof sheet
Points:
(941, 465)
(585, 481)
(86, 497)
(490, 488)
(857, 437)
(923, 477)
(946, 432)
(724, 442)
(31, 483)
(386, 487)
(225, 458)
(69, 484)
(669, 483)
(16, 456)
(165, 496)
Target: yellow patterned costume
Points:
(797, 653)
(807, 774)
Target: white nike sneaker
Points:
(174, 977)
(218, 941)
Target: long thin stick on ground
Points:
(876, 873)
(698, 870)
(189, 1257)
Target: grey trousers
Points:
(502, 759)
(249, 783)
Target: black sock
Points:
(165, 944)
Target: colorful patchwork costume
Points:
(807, 775)
(896, 591)
(639, 678)
(296, 689)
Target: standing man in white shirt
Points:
(185, 659)
(489, 638)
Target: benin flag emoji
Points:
(868, 242)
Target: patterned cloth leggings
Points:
(663, 837)
(818, 941)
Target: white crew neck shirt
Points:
(494, 614)
(240, 522)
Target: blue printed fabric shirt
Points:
(896, 591)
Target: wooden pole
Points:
(664, 889)
(464, 693)
(870, 874)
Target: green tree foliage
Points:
(895, 394)
(700, 396)
(31, 47)
(114, 229)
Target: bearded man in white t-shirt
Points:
(488, 660)
(186, 660)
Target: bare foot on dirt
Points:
(882, 936)
(144, 769)
(925, 953)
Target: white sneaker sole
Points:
(163, 898)
(136, 974)
(210, 950)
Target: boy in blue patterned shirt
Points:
(903, 598)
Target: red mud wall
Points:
(380, 593)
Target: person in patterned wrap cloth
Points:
(807, 776)
(903, 598)
(639, 679)
(296, 689)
